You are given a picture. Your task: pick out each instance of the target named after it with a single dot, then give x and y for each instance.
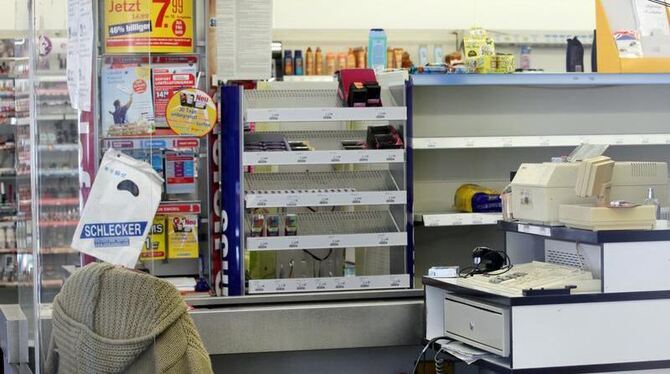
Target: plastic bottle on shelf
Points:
(309, 62)
(299, 63)
(288, 62)
(318, 62)
(351, 59)
(652, 200)
(341, 62)
(377, 49)
(331, 63)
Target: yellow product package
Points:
(155, 245)
(182, 236)
(505, 63)
(464, 195)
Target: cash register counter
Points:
(624, 327)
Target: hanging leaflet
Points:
(652, 18)
(167, 81)
(72, 69)
(244, 34)
(85, 51)
(161, 26)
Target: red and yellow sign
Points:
(144, 26)
(191, 112)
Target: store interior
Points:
(353, 187)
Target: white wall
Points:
(435, 14)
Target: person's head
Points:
(117, 104)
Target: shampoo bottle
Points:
(318, 62)
(288, 62)
(351, 59)
(377, 49)
(330, 64)
(299, 64)
(309, 62)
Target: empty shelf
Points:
(322, 189)
(332, 230)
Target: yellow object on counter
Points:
(182, 236)
(464, 195)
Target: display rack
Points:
(348, 205)
(14, 115)
(480, 128)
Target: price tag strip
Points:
(266, 286)
(309, 199)
(384, 156)
(326, 114)
(461, 219)
(326, 241)
(538, 141)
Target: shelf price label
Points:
(321, 285)
(334, 242)
(328, 115)
(263, 245)
(291, 201)
(356, 199)
(391, 198)
(469, 143)
(340, 284)
(395, 282)
(364, 157)
(381, 115)
(323, 200)
(262, 160)
(365, 283)
(335, 157)
(294, 244)
(392, 157)
(273, 116)
(383, 239)
(301, 158)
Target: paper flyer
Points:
(85, 51)
(652, 18)
(127, 101)
(167, 81)
(244, 39)
(157, 26)
(72, 67)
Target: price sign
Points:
(148, 26)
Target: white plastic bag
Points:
(118, 214)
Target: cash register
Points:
(582, 284)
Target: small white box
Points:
(444, 271)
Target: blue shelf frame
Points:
(540, 79)
(232, 176)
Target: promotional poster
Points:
(157, 26)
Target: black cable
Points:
(312, 255)
(423, 351)
(467, 271)
(661, 2)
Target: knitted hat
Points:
(105, 318)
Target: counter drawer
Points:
(481, 325)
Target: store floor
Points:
(388, 360)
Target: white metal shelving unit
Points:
(349, 205)
(480, 128)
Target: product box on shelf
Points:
(155, 246)
(182, 236)
(127, 102)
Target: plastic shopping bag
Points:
(118, 214)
